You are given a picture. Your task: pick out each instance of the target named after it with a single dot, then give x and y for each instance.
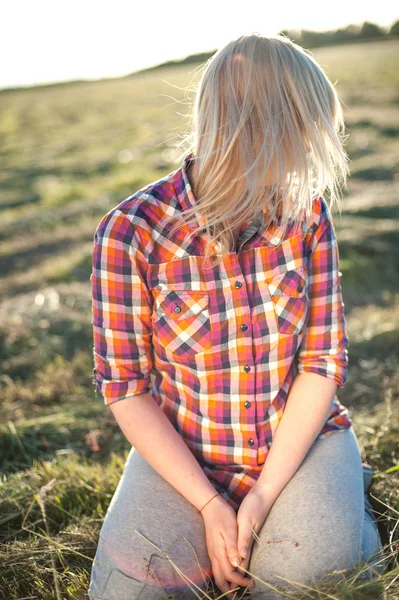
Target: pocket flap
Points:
(290, 283)
(179, 304)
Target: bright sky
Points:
(45, 41)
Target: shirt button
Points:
(247, 368)
(177, 309)
(244, 327)
(247, 404)
(238, 284)
(300, 288)
(251, 442)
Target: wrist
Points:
(211, 504)
(268, 492)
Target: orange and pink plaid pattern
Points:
(218, 347)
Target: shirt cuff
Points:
(112, 390)
(331, 370)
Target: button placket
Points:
(248, 404)
(247, 367)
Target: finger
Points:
(230, 590)
(243, 568)
(231, 548)
(245, 539)
(220, 580)
(230, 573)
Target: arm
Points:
(144, 425)
(121, 318)
(308, 407)
(321, 360)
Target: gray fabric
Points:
(317, 524)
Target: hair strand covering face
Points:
(267, 132)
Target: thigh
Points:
(316, 524)
(125, 562)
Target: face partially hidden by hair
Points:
(266, 123)
(275, 93)
(249, 125)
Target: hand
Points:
(251, 515)
(221, 530)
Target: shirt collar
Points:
(186, 199)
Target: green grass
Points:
(69, 155)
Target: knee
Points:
(278, 564)
(282, 563)
(178, 569)
(113, 584)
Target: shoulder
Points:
(137, 215)
(321, 216)
(320, 213)
(318, 223)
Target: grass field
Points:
(68, 155)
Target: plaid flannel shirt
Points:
(218, 347)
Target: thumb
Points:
(245, 539)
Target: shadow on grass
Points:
(390, 211)
(47, 218)
(379, 173)
(66, 431)
(25, 200)
(383, 347)
(25, 177)
(360, 124)
(31, 351)
(390, 131)
(33, 256)
(387, 131)
(359, 152)
(370, 270)
(373, 367)
(80, 271)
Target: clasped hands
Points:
(230, 536)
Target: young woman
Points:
(220, 342)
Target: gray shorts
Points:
(319, 523)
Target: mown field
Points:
(70, 153)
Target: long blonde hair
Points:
(267, 132)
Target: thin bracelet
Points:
(217, 494)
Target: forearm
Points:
(307, 408)
(148, 429)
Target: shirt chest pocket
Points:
(289, 294)
(181, 321)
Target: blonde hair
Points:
(267, 132)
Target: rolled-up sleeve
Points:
(324, 346)
(121, 311)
